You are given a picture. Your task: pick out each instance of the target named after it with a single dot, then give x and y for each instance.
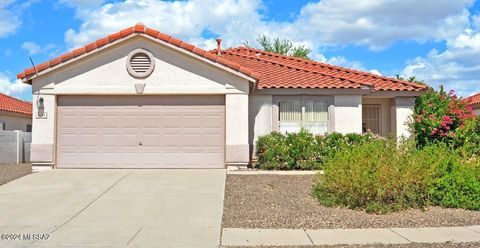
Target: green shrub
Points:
(377, 176)
(457, 184)
(382, 176)
(273, 152)
(303, 150)
(467, 138)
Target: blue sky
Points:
(436, 40)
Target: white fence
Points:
(15, 147)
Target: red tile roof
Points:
(10, 104)
(137, 29)
(471, 100)
(279, 75)
(279, 71)
(269, 69)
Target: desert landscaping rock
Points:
(9, 172)
(284, 201)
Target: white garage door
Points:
(141, 132)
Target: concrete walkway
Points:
(284, 237)
(113, 208)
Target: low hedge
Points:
(302, 150)
(383, 176)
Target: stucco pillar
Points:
(404, 107)
(43, 130)
(260, 118)
(347, 117)
(237, 148)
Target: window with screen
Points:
(3, 125)
(29, 128)
(371, 120)
(309, 114)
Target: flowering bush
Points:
(437, 117)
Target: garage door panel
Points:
(140, 132)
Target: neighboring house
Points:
(15, 114)
(142, 99)
(474, 102)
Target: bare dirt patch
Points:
(284, 201)
(10, 172)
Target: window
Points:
(3, 125)
(29, 128)
(309, 114)
(371, 118)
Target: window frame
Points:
(302, 99)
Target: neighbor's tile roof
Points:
(475, 99)
(10, 104)
(279, 71)
(139, 29)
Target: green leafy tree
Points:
(411, 79)
(281, 46)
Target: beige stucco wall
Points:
(175, 73)
(43, 132)
(402, 110)
(14, 121)
(347, 117)
(385, 113)
(260, 117)
(236, 112)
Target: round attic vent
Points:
(140, 63)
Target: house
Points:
(142, 99)
(15, 114)
(474, 102)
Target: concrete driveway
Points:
(113, 208)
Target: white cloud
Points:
(9, 20)
(379, 23)
(12, 88)
(374, 23)
(33, 48)
(184, 19)
(458, 67)
(344, 62)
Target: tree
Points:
(281, 46)
(411, 79)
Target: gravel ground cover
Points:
(284, 201)
(413, 245)
(10, 172)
